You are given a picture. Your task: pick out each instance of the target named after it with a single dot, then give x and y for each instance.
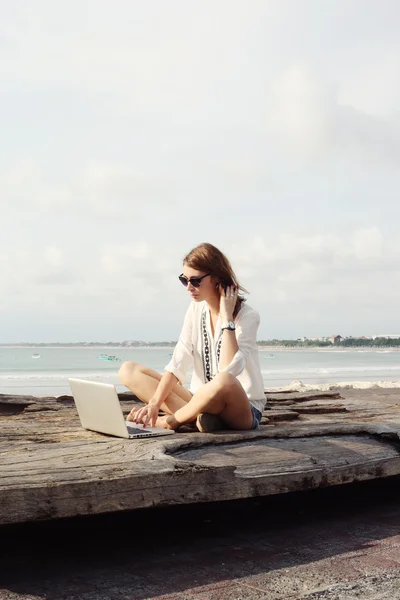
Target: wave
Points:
(299, 386)
(331, 370)
(291, 371)
(334, 351)
(57, 376)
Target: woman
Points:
(218, 340)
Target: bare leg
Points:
(223, 396)
(143, 382)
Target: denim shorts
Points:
(256, 417)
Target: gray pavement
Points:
(333, 544)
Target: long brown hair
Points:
(206, 257)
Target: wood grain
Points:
(50, 467)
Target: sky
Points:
(132, 131)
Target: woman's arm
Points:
(229, 345)
(237, 344)
(246, 337)
(165, 385)
(175, 370)
(148, 414)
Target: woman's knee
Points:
(127, 371)
(225, 381)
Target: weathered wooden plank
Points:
(50, 467)
(279, 415)
(317, 409)
(197, 479)
(297, 454)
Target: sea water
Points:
(47, 374)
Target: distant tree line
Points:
(345, 342)
(351, 342)
(376, 343)
(294, 343)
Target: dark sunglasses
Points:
(195, 281)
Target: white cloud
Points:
(302, 110)
(315, 123)
(375, 88)
(119, 257)
(130, 134)
(53, 256)
(368, 243)
(286, 273)
(104, 191)
(321, 274)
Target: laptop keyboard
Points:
(135, 430)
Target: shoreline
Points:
(63, 388)
(260, 348)
(331, 348)
(299, 386)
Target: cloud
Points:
(314, 122)
(315, 271)
(289, 272)
(375, 88)
(135, 133)
(368, 244)
(102, 190)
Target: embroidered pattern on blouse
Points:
(206, 348)
(218, 347)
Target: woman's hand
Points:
(146, 414)
(227, 302)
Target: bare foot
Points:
(167, 422)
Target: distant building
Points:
(335, 339)
(392, 336)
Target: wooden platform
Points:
(50, 467)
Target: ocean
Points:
(47, 373)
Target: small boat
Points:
(35, 355)
(270, 356)
(113, 358)
(109, 357)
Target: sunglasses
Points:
(194, 281)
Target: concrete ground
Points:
(334, 544)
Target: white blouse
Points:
(199, 348)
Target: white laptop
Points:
(99, 410)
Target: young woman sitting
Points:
(218, 340)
